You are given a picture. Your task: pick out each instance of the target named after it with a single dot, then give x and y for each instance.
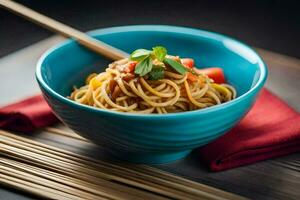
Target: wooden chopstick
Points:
(124, 173)
(67, 31)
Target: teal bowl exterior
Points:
(151, 138)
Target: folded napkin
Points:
(269, 130)
(27, 115)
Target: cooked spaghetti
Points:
(154, 82)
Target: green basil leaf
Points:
(157, 72)
(176, 66)
(139, 54)
(160, 52)
(144, 66)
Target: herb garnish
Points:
(160, 52)
(176, 65)
(144, 66)
(145, 60)
(140, 54)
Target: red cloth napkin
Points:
(27, 115)
(269, 130)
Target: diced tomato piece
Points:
(214, 73)
(187, 62)
(130, 67)
(191, 77)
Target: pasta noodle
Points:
(119, 90)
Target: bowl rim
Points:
(159, 28)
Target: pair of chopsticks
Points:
(34, 166)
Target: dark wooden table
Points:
(272, 179)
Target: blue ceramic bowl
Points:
(151, 138)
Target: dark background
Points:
(273, 25)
